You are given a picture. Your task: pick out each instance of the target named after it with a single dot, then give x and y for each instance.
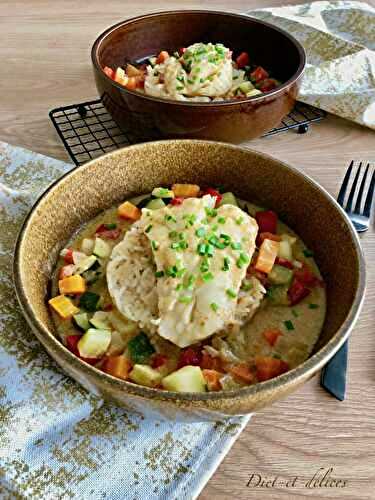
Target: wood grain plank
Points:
(45, 49)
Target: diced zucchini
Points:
(101, 248)
(94, 343)
(82, 321)
(86, 264)
(253, 92)
(78, 256)
(145, 375)
(140, 348)
(100, 320)
(186, 379)
(280, 275)
(117, 345)
(278, 295)
(87, 246)
(161, 192)
(63, 306)
(122, 324)
(285, 250)
(246, 87)
(228, 199)
(89, 301)
(155, 204)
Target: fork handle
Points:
(333, 377)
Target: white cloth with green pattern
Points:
(57, 441)
(339, 39)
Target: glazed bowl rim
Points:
(229, 102)
(308, 367)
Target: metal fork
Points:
(333, 377)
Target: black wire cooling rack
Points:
(87, 130)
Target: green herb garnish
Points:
(200, 232)
(148, 228)
(308, 253)
(289, 325)
(185, 299)
(110, 226)
(214, 306)
(295, 313)
(154, 244)
(207, 277)
(159, 274)
(231, 293)
(236, 246)
(313, 306)
(221, 220)
(226, 264)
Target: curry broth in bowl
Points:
(190, 290)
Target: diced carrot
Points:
(242, 372)
(271, 335)
(267, 255)
(132, 70)
(63, 306)
(118, 366)
(212, 378)
(121, 77)
(209, 362)
(267, 236)
(306, 276)
(186, 190)
(109, 72)
(268, 367)
(128, 211)
(72, 285)
(162, 57)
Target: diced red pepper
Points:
(271, 335)
(284, 262)
(189, 356)
(158, 360)
(72, 342)
(305, 276)
(242, 60)
(259, 74)
(109, 72)
(262, 277)
(214, 192)
(210, 363)
(108, 307)
(177, 200)
(68, 257)
(297, 292)
(182, 51)
(267, 221)
(110, 234)
(267, 84)
(268, 367)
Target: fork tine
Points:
(370, 196)
(344, 185)
(357, 208)
(348, 207)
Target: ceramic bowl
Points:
(87, 190)
(231, 121)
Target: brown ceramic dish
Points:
(231, 121)
(301, 203)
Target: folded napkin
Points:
(339, 39)
(57, 441)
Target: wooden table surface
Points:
(44, 47)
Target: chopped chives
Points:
(175, 245)
(185, 299)
(276, 355)
(190, 81)
(214, 306)
(295, 313)
(179, 287)
(226, 264)
(239, 221)
(159, 274)
(168, 218)
(207, 277)
(236, 246)
(189, 282)
(221, 220)
(200, 232)
(211, 212)
(231, 293)
(148, 228)
(201, 248)
(204, 267)
(209, 250)
(171, 271)
(110, 225)
(308, 253)
(225, 237)
(180, 272)
(313, 306)
(179, 87)
(173, 234)
(154, 244)
(289, 325)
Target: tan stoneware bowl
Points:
(231, 121)
(85, 191)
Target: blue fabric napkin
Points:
(57, 441)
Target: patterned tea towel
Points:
(59, 442)
(339, 40)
